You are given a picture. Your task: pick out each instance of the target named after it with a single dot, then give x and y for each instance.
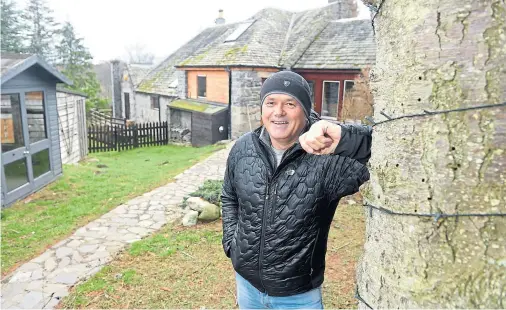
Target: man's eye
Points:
(290, 104)
(269, 103)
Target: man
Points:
(282, 185)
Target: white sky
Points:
(107, 26)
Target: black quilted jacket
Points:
(276, 221)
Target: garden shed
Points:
(72, 125)
(31, 155)
(201, 123)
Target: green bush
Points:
(209, 191)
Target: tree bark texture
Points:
(437, 55)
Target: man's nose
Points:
(278, 110)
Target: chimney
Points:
(220, 20)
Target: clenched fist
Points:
(321, 139)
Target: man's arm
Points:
(355, 142)
(324, 138)
(344, 177)
(229, 206)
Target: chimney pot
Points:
(220, 20)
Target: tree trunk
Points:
(437, 55)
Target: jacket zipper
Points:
(312, 253)
(260, 265)
(266, 205)
(273, 204)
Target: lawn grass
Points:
(186, 268)
(84, 193)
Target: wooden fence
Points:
(98, 118)
(120, 138)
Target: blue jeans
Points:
(248, 297)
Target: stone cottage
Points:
(118, 81)
(225, 65)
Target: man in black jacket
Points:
(282, 186)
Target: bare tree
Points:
(358, 101)
(137, 54)
(435, 224)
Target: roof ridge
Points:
(287, 37)
(310, 43)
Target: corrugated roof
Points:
(344, 44)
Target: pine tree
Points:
(74, 60)
(11, 28)
(41, 29)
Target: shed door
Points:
(26, 150)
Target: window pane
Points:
(15, 174)
(10, 123)
(330, 99)
(34, 102)
(40, 163)
(201, 81)
(348, 92)
(348, 85)
(155, 104)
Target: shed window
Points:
(201, 86)
(10, 122)
(155, 102)
(34, 102)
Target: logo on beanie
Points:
(287, 83)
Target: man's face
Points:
(283, 118)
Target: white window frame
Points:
(201, 75)
(323, 98)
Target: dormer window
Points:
(239, 31)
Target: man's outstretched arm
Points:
(324, 138)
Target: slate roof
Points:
(138, 72)
(343, 44)
(10, 60)
(305, 26)
(259, 45)
(277, 39)
(13, 64)
(158, 80)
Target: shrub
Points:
(209, 191)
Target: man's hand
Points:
(321, 139)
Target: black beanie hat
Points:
(288, 83)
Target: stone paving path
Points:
(42, 282)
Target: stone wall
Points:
(182, 84)
(144, 112)
(245, 101)
(117, 74)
